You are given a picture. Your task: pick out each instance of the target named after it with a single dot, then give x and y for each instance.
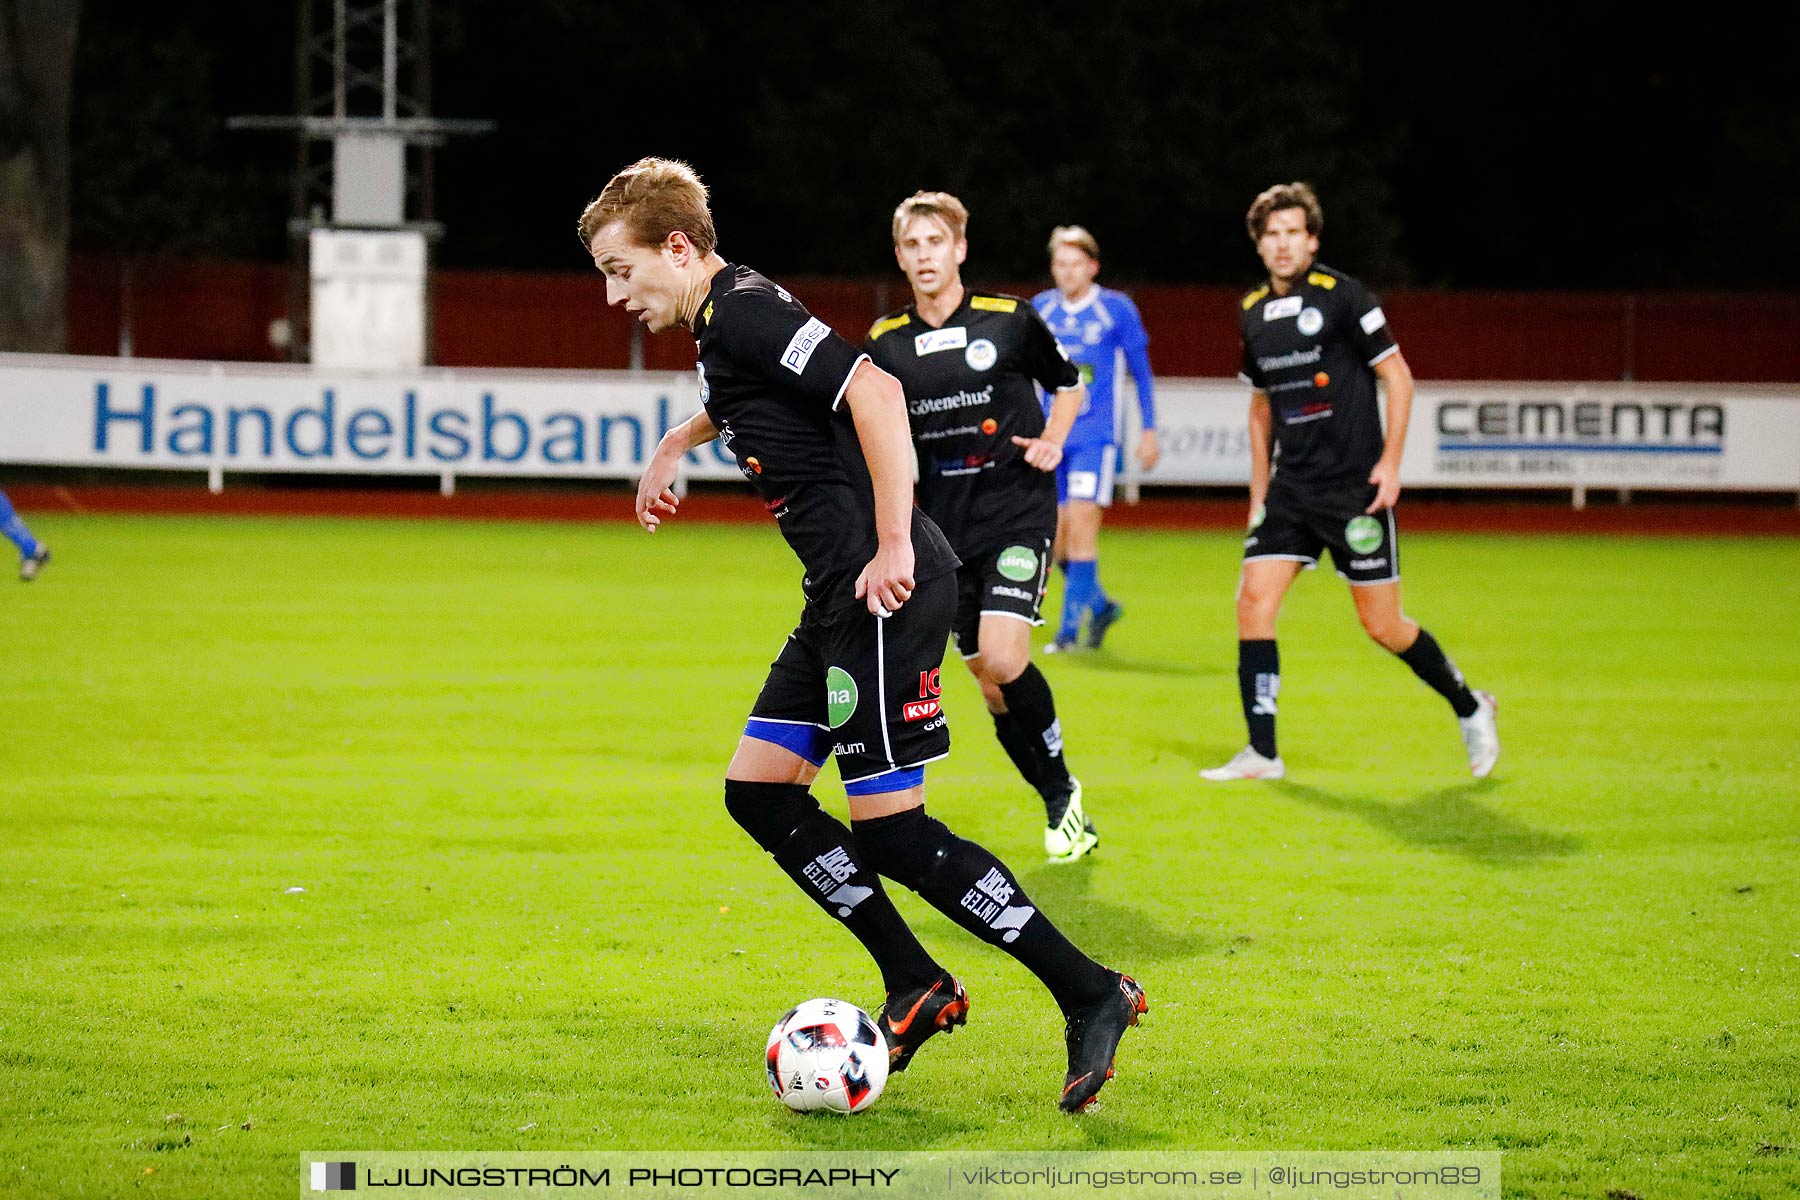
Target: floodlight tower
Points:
(362, 217)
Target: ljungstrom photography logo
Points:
(333, 1177)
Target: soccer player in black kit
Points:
(1314, 341)
(970, 362)
(821, 434)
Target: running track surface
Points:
(1775, 516)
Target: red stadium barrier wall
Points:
(193, 310)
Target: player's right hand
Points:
(887, 582)
(656, 496)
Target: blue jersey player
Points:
(1094, 325)
(33, 554)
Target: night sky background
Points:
(1493, 147)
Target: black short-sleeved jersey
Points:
(969, 389)
(1314, 351)
(772, 379)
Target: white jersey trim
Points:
(848, 376)
(1390, 351)
(892, 770)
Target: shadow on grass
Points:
(1062, 891)
(1450, 819)
(1105, 662)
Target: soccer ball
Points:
(826, 1055)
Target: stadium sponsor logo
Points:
(800, 348)
(919, 710)
(933, 341)
(1665, 426)
(1311, 320)
(1368, 564)
(963, 399)
(981, 354)
(1287, 306)
(1363, 534)
(840, 696)
(848, 748)
(1299, 358)
(1011, 593)
(990, 901)
(1017, 563)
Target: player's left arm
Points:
(1397, 378)
(877, 406)
(656, 496)
(1135, 341)
(1374, 341)
(1048, 363)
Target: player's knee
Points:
(1387, 630)
(769, 812)
(1256, 606)
(1003, 664)
(904, 846)
(991, 693)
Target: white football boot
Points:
(1481, 735)
(1246, 764)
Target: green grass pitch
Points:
(491, 754)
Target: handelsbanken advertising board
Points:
(139, 413)
(129, 413)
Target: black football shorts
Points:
(864, 689)
(1008, 583)
(1365, 547)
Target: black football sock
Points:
(1430, 663)
(1033, 710)
(1017, 744)
(1259, 681)
(975, 889)
(820, 855)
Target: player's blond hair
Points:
(1283, 196)
(654, 197)
(1076, 236)
(939, 205)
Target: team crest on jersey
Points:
(1310, 322)
(981, 354)
(934, 340)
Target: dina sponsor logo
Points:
(1591, 426)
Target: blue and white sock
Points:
(15, 530)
